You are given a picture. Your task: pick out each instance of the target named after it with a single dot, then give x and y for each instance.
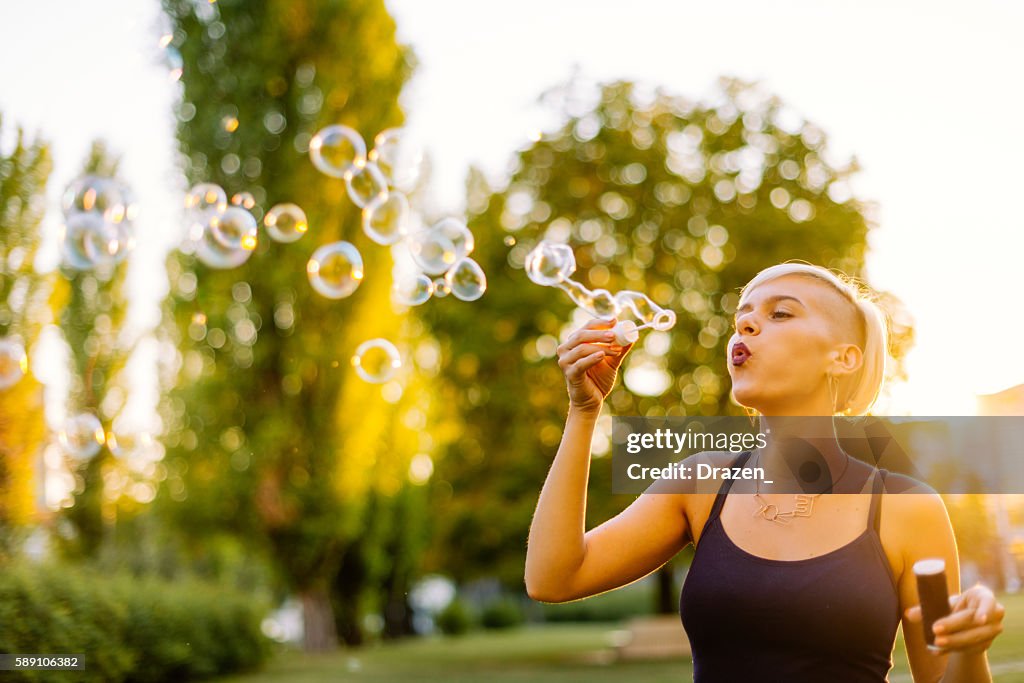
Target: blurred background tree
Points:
(93, 304)
(277, 440)
(25, 167)
(682, 200)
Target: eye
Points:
(776, 315)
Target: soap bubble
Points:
(244, 200)
(13, 362)
(226, 240)
(458, 234)
(206, 197)
(466, 280)
(235, 228)
(550, 263)
(87, 240)
(81, 436)
(92, 194)
(366, 185)
(286, 222)
(599, 302)
(646, 310)
(440, 247)
(338, 151)
(432, 251)
(386, 218)
(441, 288)
(400, 158)
(412, 290)
(376, 360)
(335, 270)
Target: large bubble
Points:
(366, 185)
(466, 280)
(235, 228)
(13, 362)
(376, 360)
(87, 241)
(81, 436)
(335, 270)
(226, 240)
(440, 247)
(550, 263)
(338, 151)
(286, 223)
(399, 157)
(386, 218)
(92, 194)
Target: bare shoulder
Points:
(915, 514)
(693, 498)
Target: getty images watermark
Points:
(698, 454)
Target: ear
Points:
(846, 360)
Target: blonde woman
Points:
(818, 598)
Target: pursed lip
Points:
(739, 354)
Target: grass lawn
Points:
(546, 654)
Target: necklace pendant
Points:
(804, 505)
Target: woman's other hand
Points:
(590, 360)
(976, 619)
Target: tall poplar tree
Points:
(269, 432)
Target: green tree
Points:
(682, 200)
(93, 307)
(269, 433)
(24, 308)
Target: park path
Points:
(996, 669)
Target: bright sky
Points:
(924, 93)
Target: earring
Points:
(833, 392)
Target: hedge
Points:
(130, 630)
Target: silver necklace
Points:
(803, 503)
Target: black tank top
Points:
(827, 618)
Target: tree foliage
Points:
(682, 200)
(270, 434)
(24, 308)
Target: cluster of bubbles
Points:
(97, 230)
(224, 234)
(377, 182)
(82, 435)
(552, 264)
(13, 362)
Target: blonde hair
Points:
(867, 383)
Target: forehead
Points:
(811, 291)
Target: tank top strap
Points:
(716, 507)
(877, 487)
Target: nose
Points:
(746, 324)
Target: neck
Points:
(801, 455)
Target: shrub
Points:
(504, 613)
(455, 619)
(130, 630)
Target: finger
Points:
(589, 336)
(579, 352)
(913, 614)
(957, 621)
(985, 608)
(600, 323)
(580, 367)
(974, 636)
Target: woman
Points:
(818, 598)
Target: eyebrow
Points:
(770, 300)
